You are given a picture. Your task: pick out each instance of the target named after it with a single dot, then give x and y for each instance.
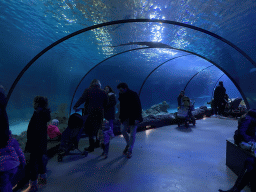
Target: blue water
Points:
(29, 26)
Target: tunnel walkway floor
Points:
(166, 159)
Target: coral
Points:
(164, 106)
(158, 108)
(144, 114)
(243, 103)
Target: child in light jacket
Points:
(105, 135)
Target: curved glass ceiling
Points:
(222, 32)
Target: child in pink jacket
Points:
(53, 130)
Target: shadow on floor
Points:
(184, 129)
(92, 168)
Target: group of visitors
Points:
(98, 104)
(218, 103)
(246, 132)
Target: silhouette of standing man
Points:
(130, 115)
(219, 95)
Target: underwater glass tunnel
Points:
(55, 48)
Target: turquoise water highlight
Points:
(27, 27)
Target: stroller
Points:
(233, 108)
(184, 114)
(71, 136)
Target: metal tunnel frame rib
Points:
(190, 53)
(196, 75)
(214, 64)
(97, 66)
(156, 69)
(128, 21)
(170, 60)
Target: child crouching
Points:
(53, 130)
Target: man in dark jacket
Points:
(130, 115)
(219, 94)
(95, 101)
